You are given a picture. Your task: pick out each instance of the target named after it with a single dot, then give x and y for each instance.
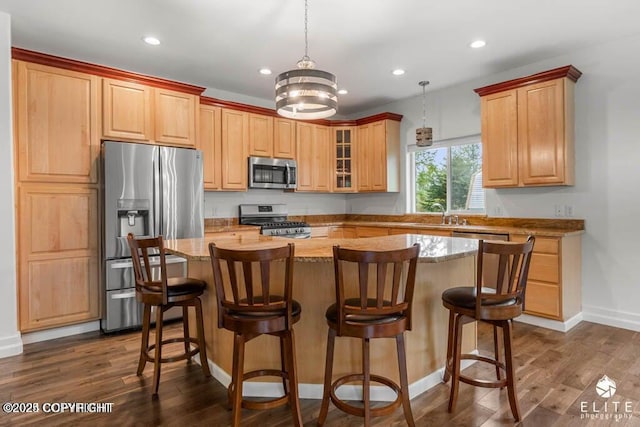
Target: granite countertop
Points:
(493, 229)
(432, 248)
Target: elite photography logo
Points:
(609, 409)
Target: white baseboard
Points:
(346, 392)
(615, 318)
(10, 345)
(64, 331)
(556, 325)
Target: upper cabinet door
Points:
(56, 124)
(542, 134)
(126, 110)
(284, 138)
(378, 156)
(304, 138)
(499, 113)
(235, 141)
(363, 156)
(210, 142)
(175, 117)
(322, 158)
(260, 135)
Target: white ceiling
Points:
(222, 44)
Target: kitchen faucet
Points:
(438, 205)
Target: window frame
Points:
(411, 176)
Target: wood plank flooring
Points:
(555, 373)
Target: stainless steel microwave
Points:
(272, 173)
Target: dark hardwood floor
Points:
(556, 372)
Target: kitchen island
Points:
(444, 262)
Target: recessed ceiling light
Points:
(398, 72)
(343, 92)
(478, 44)
(265, 71)
(151, 40)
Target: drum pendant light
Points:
(306, 93)
(424, 135)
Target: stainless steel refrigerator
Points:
(148, 190)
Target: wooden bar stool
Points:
(249, 308)
(497, 299)
(164, 293)
(383, 313)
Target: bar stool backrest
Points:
(141, 249)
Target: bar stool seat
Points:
(497, 299)
(365, 317)
(165, 293)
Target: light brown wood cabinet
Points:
(554, 283)
(342, 231)
(57, 132)
(235, 143)
(284, 138)
(58, 271)
(366, 231)
(210, 143)
(133, 111)
(528, 130)
(378, 156)
(260, 135)
(314, 157)
(57, 145)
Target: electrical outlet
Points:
(559, 211)
(497, 211)
(568, 210)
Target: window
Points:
(448, 173)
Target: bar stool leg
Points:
(238, 366)
(511, 384)
(144, 347)
(158, 353)
(185, 329)
(404, 381)
(455, 365)
(294, 401)
(366, 383)
(450, 342)
(202, 346)
(496, 351)
(328, 371)
(283, 363)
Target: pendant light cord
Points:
(424, 84)
(306, 23)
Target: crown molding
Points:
(568, 71)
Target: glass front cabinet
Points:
(344, 154)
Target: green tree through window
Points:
(446, 175)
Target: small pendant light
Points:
(424, 135)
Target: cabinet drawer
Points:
(542, 298)
(542, 245)
(372, 231)
(407, 230)
(545, 268)
(319, 231)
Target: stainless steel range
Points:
(272, 220)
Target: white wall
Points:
(606, 193)
(10, 342)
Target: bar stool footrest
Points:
(182, 356)
(477, 382)
(264, 404)
(359, 411)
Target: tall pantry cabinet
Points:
(57, 144)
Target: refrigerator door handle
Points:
(169, 259)
(124, 295)
(157, 192)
